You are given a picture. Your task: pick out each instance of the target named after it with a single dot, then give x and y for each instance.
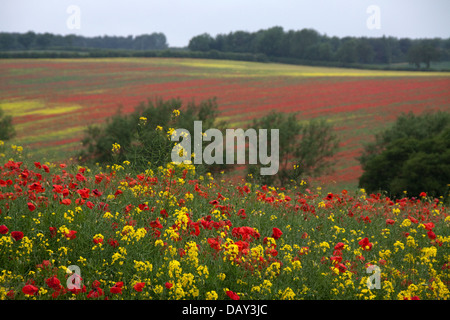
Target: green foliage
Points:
(6, 128)
(305, 150)
(143, 135)
(423, 52)
(412, 156)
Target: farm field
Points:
(52, 101)
(174, 235)
(73, 232)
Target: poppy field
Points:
(75, 233)
(52, 101)
(108, 232)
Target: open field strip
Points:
(55, 99)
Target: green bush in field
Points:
(6, 128)
(305, 149)
(143, 137)
(412, 156)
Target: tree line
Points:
(310, 45)
(306, 46)
(47, 41)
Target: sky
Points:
(182, 20)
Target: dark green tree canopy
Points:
(412, 156)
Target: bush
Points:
(412, 156)
(305, 149)
(6, 128)
(143, 137)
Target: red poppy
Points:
(139, 286)
(113, 243)
(339, 246)
(71, 234)
(84, 193)
(10, 294)
(336, 259)
(168, 285)
(232, 295)
(31, 206)
(117, 288)
(429, 226)
(30, 289)
(80, 177)
(163, 212)
(3, 229)
(17, 235)
(241, 213)
(53, 231)
(66, 202)
(214, 244)
(390, 221)
(341, 267)
(431, 235)
(53, 283)
(365, 244)
(95, 293)
(276, 233)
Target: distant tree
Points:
(413, 155)
(27, 39)
(364, 51)
(269, 41)
(423, 52)
(347, 52)
(7, 41)
(6, 128)
(44, 40)
(202, 42)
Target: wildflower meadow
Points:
(71, 232)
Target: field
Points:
(71, 232)
(52, 101)
(172, 235)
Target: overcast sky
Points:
(181, 20)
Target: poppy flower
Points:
(30, 289)
(95, 293)
(241, 213)
(276, 233)
(17, 235)
(3, 229)
(168, 285)
(390, 221)
(117, 288)
(342, 268)
(139, 286)
(71, 234)
(232, 295)
(66, 202)
(429, 226)
(339, 246)
(53, 282)
(53, 231)
(365, 244)
(31, 206)
(164, 213)
(431, 235)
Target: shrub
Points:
(143, 137)
(6, 128)
(412, 156)
(305, 149)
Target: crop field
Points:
(52, 101)
(75, 232)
